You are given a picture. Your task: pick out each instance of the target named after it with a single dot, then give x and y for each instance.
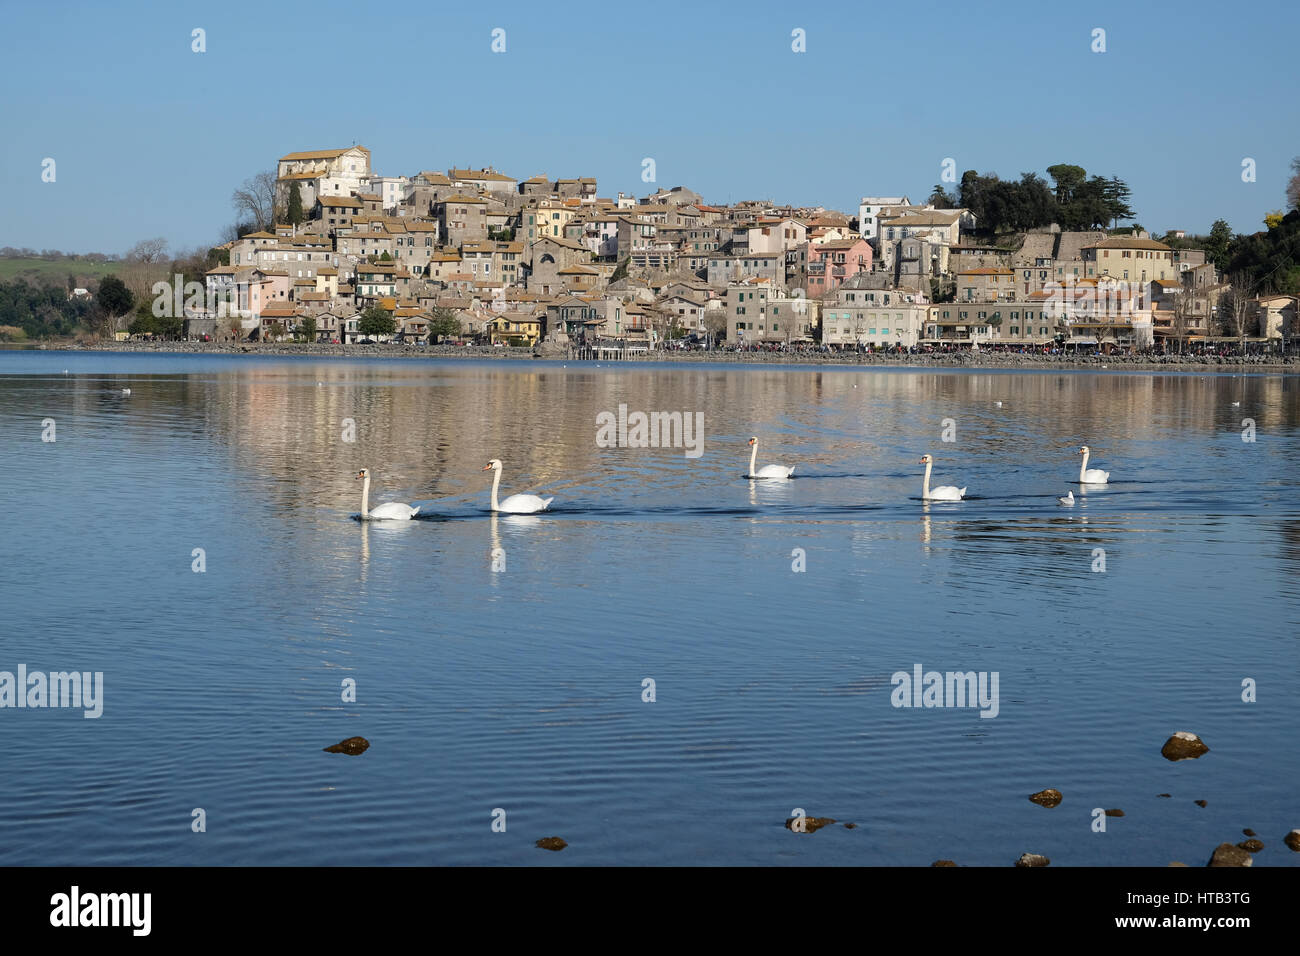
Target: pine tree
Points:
(295, 214)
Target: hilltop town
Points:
(475, 255)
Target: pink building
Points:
(830, 263)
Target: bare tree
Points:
(1293, 187)
(1235, 304)
(255, 200)
(1184, 315)
(144, 264)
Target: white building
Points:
(869, 210)
(391, 190)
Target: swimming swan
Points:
(767, 471)
(515, 504)
(1091, 476)
(389, 510)
(943, 492)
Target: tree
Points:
(940, 198)
(307, 328)
(115, 300)
(1293, 186)
(1115, 193)
(236, 330)
(1183, 315)
(444, 325)
(376, 321)
(1236, 307)
(255, 200)
(1216, 246)
(1273, 219)
(276, 331)
(385, 257)
(620, 271)
(295, 214)
(1067, 179)
(144, 264)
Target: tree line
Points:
(1074, 200)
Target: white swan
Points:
(943, 492)
(1091, 476)
(389, 510)
(767, 471)
(1066, 499)
(515, 504)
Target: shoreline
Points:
(964, 360)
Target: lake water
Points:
(522, 688)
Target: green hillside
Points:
(54, 270)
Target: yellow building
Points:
(548, 219)
(515, 328)
(1131, 260)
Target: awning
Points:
(1081, 340)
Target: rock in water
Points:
(552, 843)
(352, 746)
(943, 863)
(1199, 803)
(1225, 854)
(1114, 813)
(1032, 859)
(1046, 798)
(1251, 846)
(810, 824)
(1183, 746)
(1292, 840)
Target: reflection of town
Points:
(427, 430)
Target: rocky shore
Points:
(970, 360)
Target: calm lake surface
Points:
(521, 688)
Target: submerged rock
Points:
(1114, 813)
(1249, 832)
(1292, 840)
(1199, 803)
(552, 843)
(1251, 846)
(352, 746)
(1046, 798)
(1183, 746)
(1176, 863)
(943, 863)
(1032, 859)
(810, 824)
(850, 826)
(1225, 854)
(1164, 794)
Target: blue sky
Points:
(150, 138)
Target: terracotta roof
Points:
(1119, 242)
(320, 154)
(480, 174)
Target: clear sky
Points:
(150, 138)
